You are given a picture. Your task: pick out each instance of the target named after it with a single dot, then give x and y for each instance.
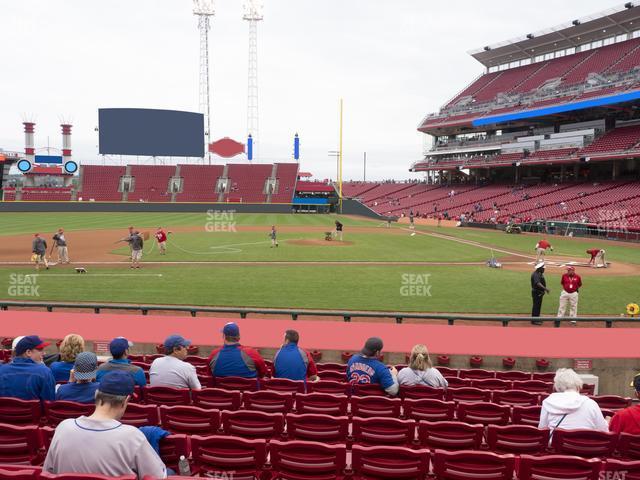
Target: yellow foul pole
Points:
(340, 164)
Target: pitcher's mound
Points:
(312, 242)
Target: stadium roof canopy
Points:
(619, 20)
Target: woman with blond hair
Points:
(420, 370)
(70, 347)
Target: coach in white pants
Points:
(571, 283)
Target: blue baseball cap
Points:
(231, 329)
(117, 382)
(174, 341)
(119, 345)
(30, 342)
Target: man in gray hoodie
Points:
(39, 250)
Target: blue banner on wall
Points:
(49, 159)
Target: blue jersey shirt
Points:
(23, 378)
(61, 370)
(361, 369)
(235, 360)
(123, 364)
(78, 392)
(290, 362)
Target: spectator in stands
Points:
(235, 360)
(571, 283)
(119, 348)
(70, 347)
(82, 385)
(26, 377)
(567, 409)
(366, 368)
(538, 289)
(293, 362)
(627, 420)
(100, 443)
(420, 370)
(171, 370)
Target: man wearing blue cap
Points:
(82, 386)
(119, 348)
(171, 370)
(235, 360)
(26, 377)
(100, 444)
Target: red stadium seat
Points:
(144, 366)
(19, 472)
(515, 397)
(241, 458)
(167, 396)
(430, 410)
(189, 420)
(467, 394)
(20, 444)
(47, 435)
(383, 431)
(330, 386)
(136, 358)
(476, 373)
(302, 460)
(612, 402)
(492, 384)
(389, 463)
(543, 376)
(196, 360)
(558, 467)
(56, 412)
(283, 385)
(317, 427)
(367, 389)
(450, 435)
(172, 448)
(141, 415)
(584, 443)
(333, 376)
(588, 389)
(252, 424)
(268, 401)
(483, 412)
(217, 398)
(526, 415)
(472, 465)
(619, 470)
(517, 439)
(334, 367)
(457, 382)
(421, 391)
(629, 446)
(534, 386)
(323, 403)
(512, 375)
(373, 406)
(15, 411)
(237, 383)
(448, 372)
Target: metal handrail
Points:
(346, 315)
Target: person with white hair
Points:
(567, 409)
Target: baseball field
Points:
(226, 259)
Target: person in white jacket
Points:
(420, 370)
(567, 409)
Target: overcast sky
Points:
(393, 61)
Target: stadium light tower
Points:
(204, 9)
(253, 10)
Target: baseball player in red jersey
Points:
(597, 255)
(161, 238)
(541, 249)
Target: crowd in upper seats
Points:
(118, 449)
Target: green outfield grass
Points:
(466, 288)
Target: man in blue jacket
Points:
(293, 362)
(119, 348)
(26, 377)
(235, 360)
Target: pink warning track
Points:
(331, 335)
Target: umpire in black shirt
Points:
(538, 289)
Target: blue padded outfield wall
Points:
(567, 107)
(149, 132)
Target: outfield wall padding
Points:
(142, 207)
